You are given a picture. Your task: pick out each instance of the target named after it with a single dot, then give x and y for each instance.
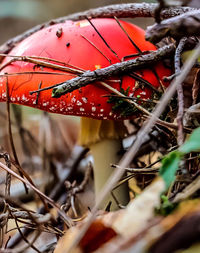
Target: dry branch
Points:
(185, 25)
(177, 66)
(119, 10)
(113, 70)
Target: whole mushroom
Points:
(63, 51)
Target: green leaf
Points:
(193, 143)
(166, 206)
(169, 166)
(170, 162)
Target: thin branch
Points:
(50, 201)
(20, 170)
(119, 10)
(158, 10)
(138, 170)
(39, 62)
(185, 25)
(142, 109)
(177, 65)
(73, 189)
(25, 239)
(97, 48)
(59, 188)
(116, 69)
(130, 39)
(102, 38)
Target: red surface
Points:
(88, 101)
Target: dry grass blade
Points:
(50, 201)
(45, 62)
(140, 108)
(21, 171)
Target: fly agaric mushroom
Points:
(73, 47)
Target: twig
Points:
(20, 170)
(118, 10)
(142, 109)
(125, 161)
(44, 63)
(58, 189)
(25, 239)
(97, 48)
(158, 10)
(185, 25)
(138, 170)
(7, 160)
(130, 39)
(50, 201)
(72, 189)
(191, 116)
(102, 38)
(116, 69)
(26, 215)
(196, 88)
(188, 191)
(177, 65)
(17, 164)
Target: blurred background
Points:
(19, 15)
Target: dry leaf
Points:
(139, 211)
(95, 237)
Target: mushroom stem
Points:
(102, 137)
(104, 154)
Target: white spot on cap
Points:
(84, 100)
(52, 108)
(82, 109)
(73, 100)
(94, 109)
(4, 95)
(78, 103)
(25, 99)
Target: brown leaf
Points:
(96, 236)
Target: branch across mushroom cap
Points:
(63, 51)
(80, 46)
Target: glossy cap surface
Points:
(79, 46)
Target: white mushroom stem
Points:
(105, 153)
(102, 137)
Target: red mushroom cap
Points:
(77, 44)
